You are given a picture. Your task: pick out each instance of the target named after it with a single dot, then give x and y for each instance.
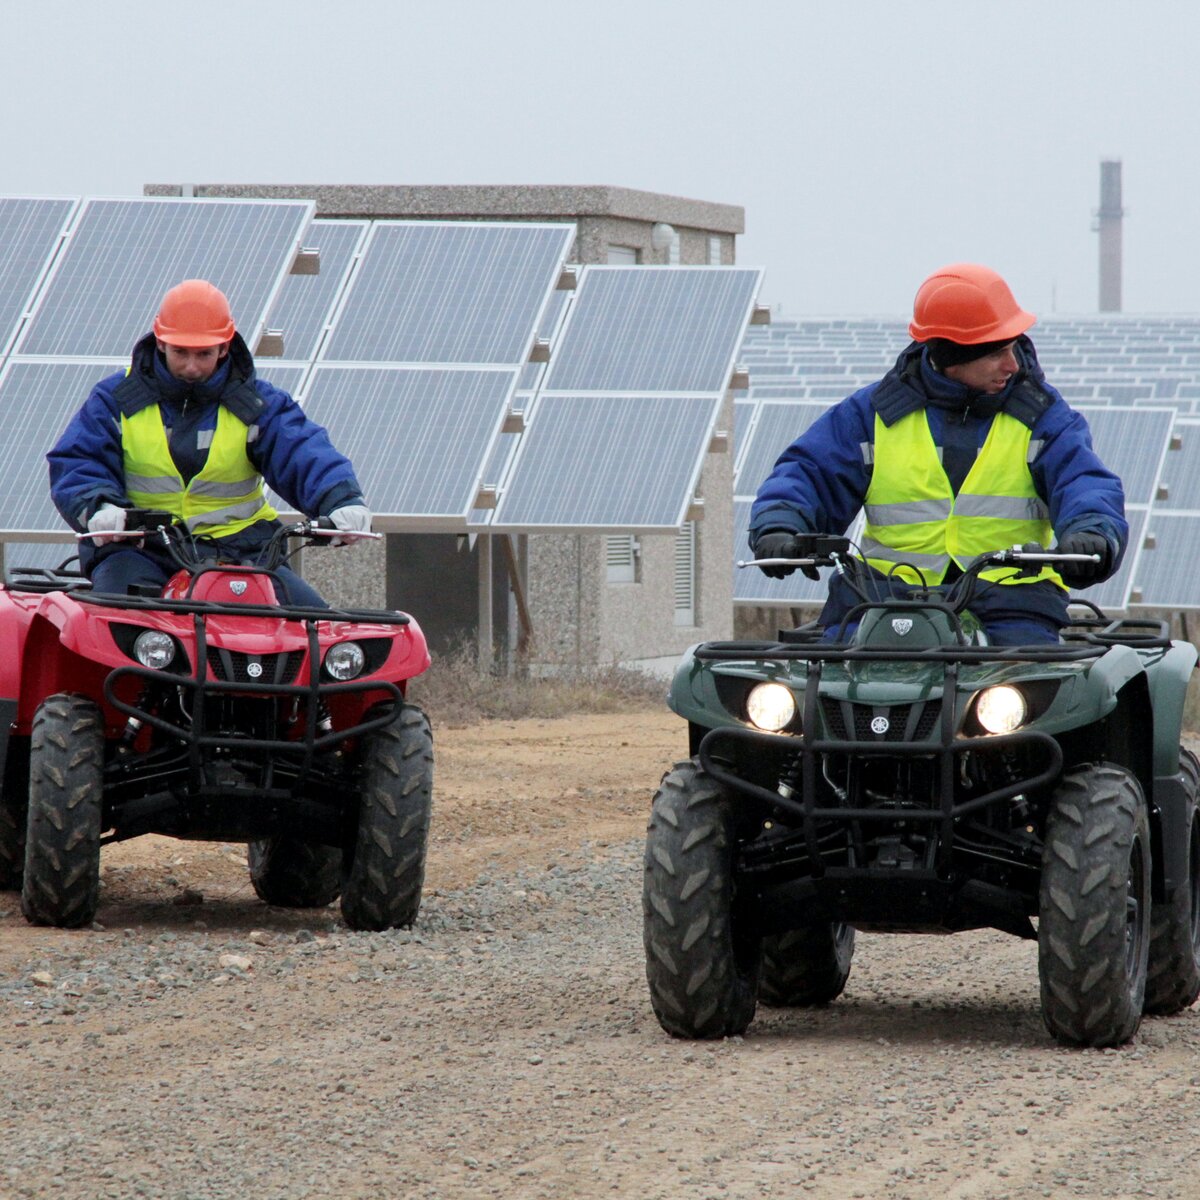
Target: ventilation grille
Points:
(233, 666)
(900, 718)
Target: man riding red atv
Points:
(212, 711)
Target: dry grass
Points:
(454, 689)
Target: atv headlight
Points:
(154, 649)
(770, 707)
(345, 661)
(1001, 709)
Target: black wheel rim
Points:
(1135, 926)
(1194, 882)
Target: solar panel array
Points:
(617, 433)
(1113, 359)
(1133, 377)
(416, 343)
(80, 281)
(443, 313)
(418, 371)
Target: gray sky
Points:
(869, 141)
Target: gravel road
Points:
(198, 1044)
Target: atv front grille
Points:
(234, 666)
(862, 722)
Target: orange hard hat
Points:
(968, 304)
(195, 314)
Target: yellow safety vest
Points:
(914, 520)
(223, 499)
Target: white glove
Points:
(353, 518)
(107, 520)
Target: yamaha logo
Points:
(901, 625)
(237, 587)
(881, 725)
(254, 669)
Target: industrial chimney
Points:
(1109, 226)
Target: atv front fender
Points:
(1169, 678)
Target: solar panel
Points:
(744, 414)
(286, 376)
(607, 463)
(751, 586)
(1166, 567)
(418, 436)
(1132, 442)
(494, 471)
(305, 303)
(41, 554)
(653, 329)
(552, 313)
(1181, 471)
(122, 255)
(30, 231)
(777, 426)
(38, 399)
(1113, 594)
(448, 292)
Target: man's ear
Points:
(224, 351)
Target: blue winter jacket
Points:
(820, 481)
(291, 452)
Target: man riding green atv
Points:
(909, 776)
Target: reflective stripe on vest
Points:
(223, 499)
(915, 523)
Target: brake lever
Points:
(767, 562)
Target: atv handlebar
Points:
(827, 551)
(190, 552)
(818, 550)
(1019, 554)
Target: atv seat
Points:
(812, 631)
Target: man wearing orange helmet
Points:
(962, 448)
(190, 428)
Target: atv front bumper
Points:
(796, 762)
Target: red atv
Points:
(212, 712)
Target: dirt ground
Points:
(199, 1044)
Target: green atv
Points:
(911, 778)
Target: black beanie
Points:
(946, 353)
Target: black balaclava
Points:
(945, 353)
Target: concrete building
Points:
(587, 599)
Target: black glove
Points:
(1080, 574)
(781, 544)
(1030, 569)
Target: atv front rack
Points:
(763, 651)
(1082, 640)
(214, 608)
